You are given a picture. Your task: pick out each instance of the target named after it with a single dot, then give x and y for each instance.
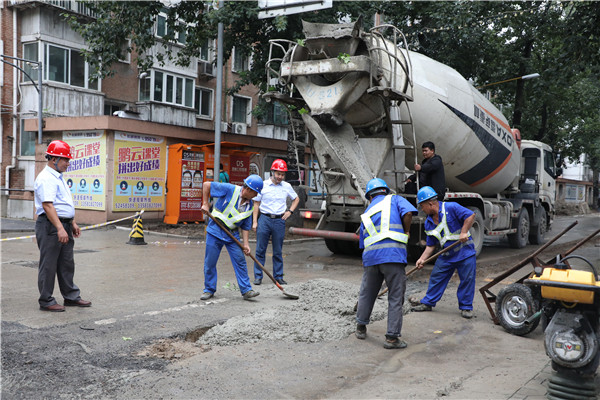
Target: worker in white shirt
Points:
(269, 219)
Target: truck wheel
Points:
(518, 240)
(514, 304)
(343, 247)
(477, 230)
(539, 231)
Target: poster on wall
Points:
(192, 177)
(86, 175)
(238, 169)
(139, 169)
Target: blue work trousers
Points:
(238, 260)
(274, 229)
(395, 278)
(440, 276)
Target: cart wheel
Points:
(514, 304)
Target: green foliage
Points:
(484, 41)
(344, 58)
(302, 111)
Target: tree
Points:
(484, 41)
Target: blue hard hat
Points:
(254, 182)
(375, 184)
(425, 193)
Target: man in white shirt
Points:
(272, 207)
(55, 229)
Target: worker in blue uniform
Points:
(384, 230)
(233, 206)
(446, 223)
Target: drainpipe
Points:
(15, 114)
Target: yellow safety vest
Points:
(230, 215)
(441, 232)
(374, 236)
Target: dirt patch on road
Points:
(324, 312)
(170, 349)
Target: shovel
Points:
(436, 255)
(291, 296)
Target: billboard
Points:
(86, 175)
(139, 172)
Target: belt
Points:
(272, 216)
(63, 220)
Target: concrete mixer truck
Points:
(369, 103)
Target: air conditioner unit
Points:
(224, 127)
(205, 68)
(238, 128)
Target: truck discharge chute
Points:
(372, 103)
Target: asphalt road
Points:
(132, 342)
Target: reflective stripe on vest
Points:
(374, 236)
(230, 215)
(441, 232)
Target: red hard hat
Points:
(58, 148)
(279, 165)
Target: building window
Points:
(168, 31)
(30, 52)
(110, 109)
(67, 66)
(77, 69)
(57, 63)
(203, 104)
(241, 62)
(145, 88)
(27, 142)
(275, 114)
(206, 50)
(158, 85)
(240, 110)
(167, 88)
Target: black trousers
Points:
(56, 260)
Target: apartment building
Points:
(120, 127)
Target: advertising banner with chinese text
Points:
(139, 169)
(192, 177)
(238, 169)
(86, 175)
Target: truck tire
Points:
(514, 304)
(538, 231)
(477, 230)
(343, 247)
(518, 240)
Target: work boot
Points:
(257, 281)
(250, 294)
(361, 331)
(468, 314)
(421, 307)
(206, 295)
(414, 301)
(394, 343)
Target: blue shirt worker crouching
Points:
(233, 207)
(446, 223)
(383, 238)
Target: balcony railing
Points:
(69, 5)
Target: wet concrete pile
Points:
(324, 312)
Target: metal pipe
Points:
(350, 236)
(219, 99)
